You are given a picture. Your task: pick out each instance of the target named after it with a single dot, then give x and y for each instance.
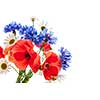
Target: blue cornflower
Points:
(37, 37)
(65, 57)
(12, 26)
(28, 32)
(48, 36)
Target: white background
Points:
(77, 25)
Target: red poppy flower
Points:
(1, 53)
(22, 55)
(1, 49)
(46, 46)
(51, 66)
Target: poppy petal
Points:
(19, 56)
(22, 64)
(35, 62)
(47, 74)
(53, 70)
(51, 57)
(25, 44)
(1, 49)
(46, 47)
(18, 61)
(2, 56)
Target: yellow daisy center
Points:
(3, 66)
(11, 41)
(33, 19)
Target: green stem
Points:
(27, 77)
(33, 19)
(41, 48)
(15, 69)
(20, 76)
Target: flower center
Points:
(14, 32)
(47, 65)
(32, 19)
(54, 78)
(11, 41)
(27, 56)
(43, 27)
(3, 66)
(46, 40)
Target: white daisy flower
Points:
(41, 25)
(4, 66)
(10, 40)
(44, 25)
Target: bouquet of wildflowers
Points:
(29, 50)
